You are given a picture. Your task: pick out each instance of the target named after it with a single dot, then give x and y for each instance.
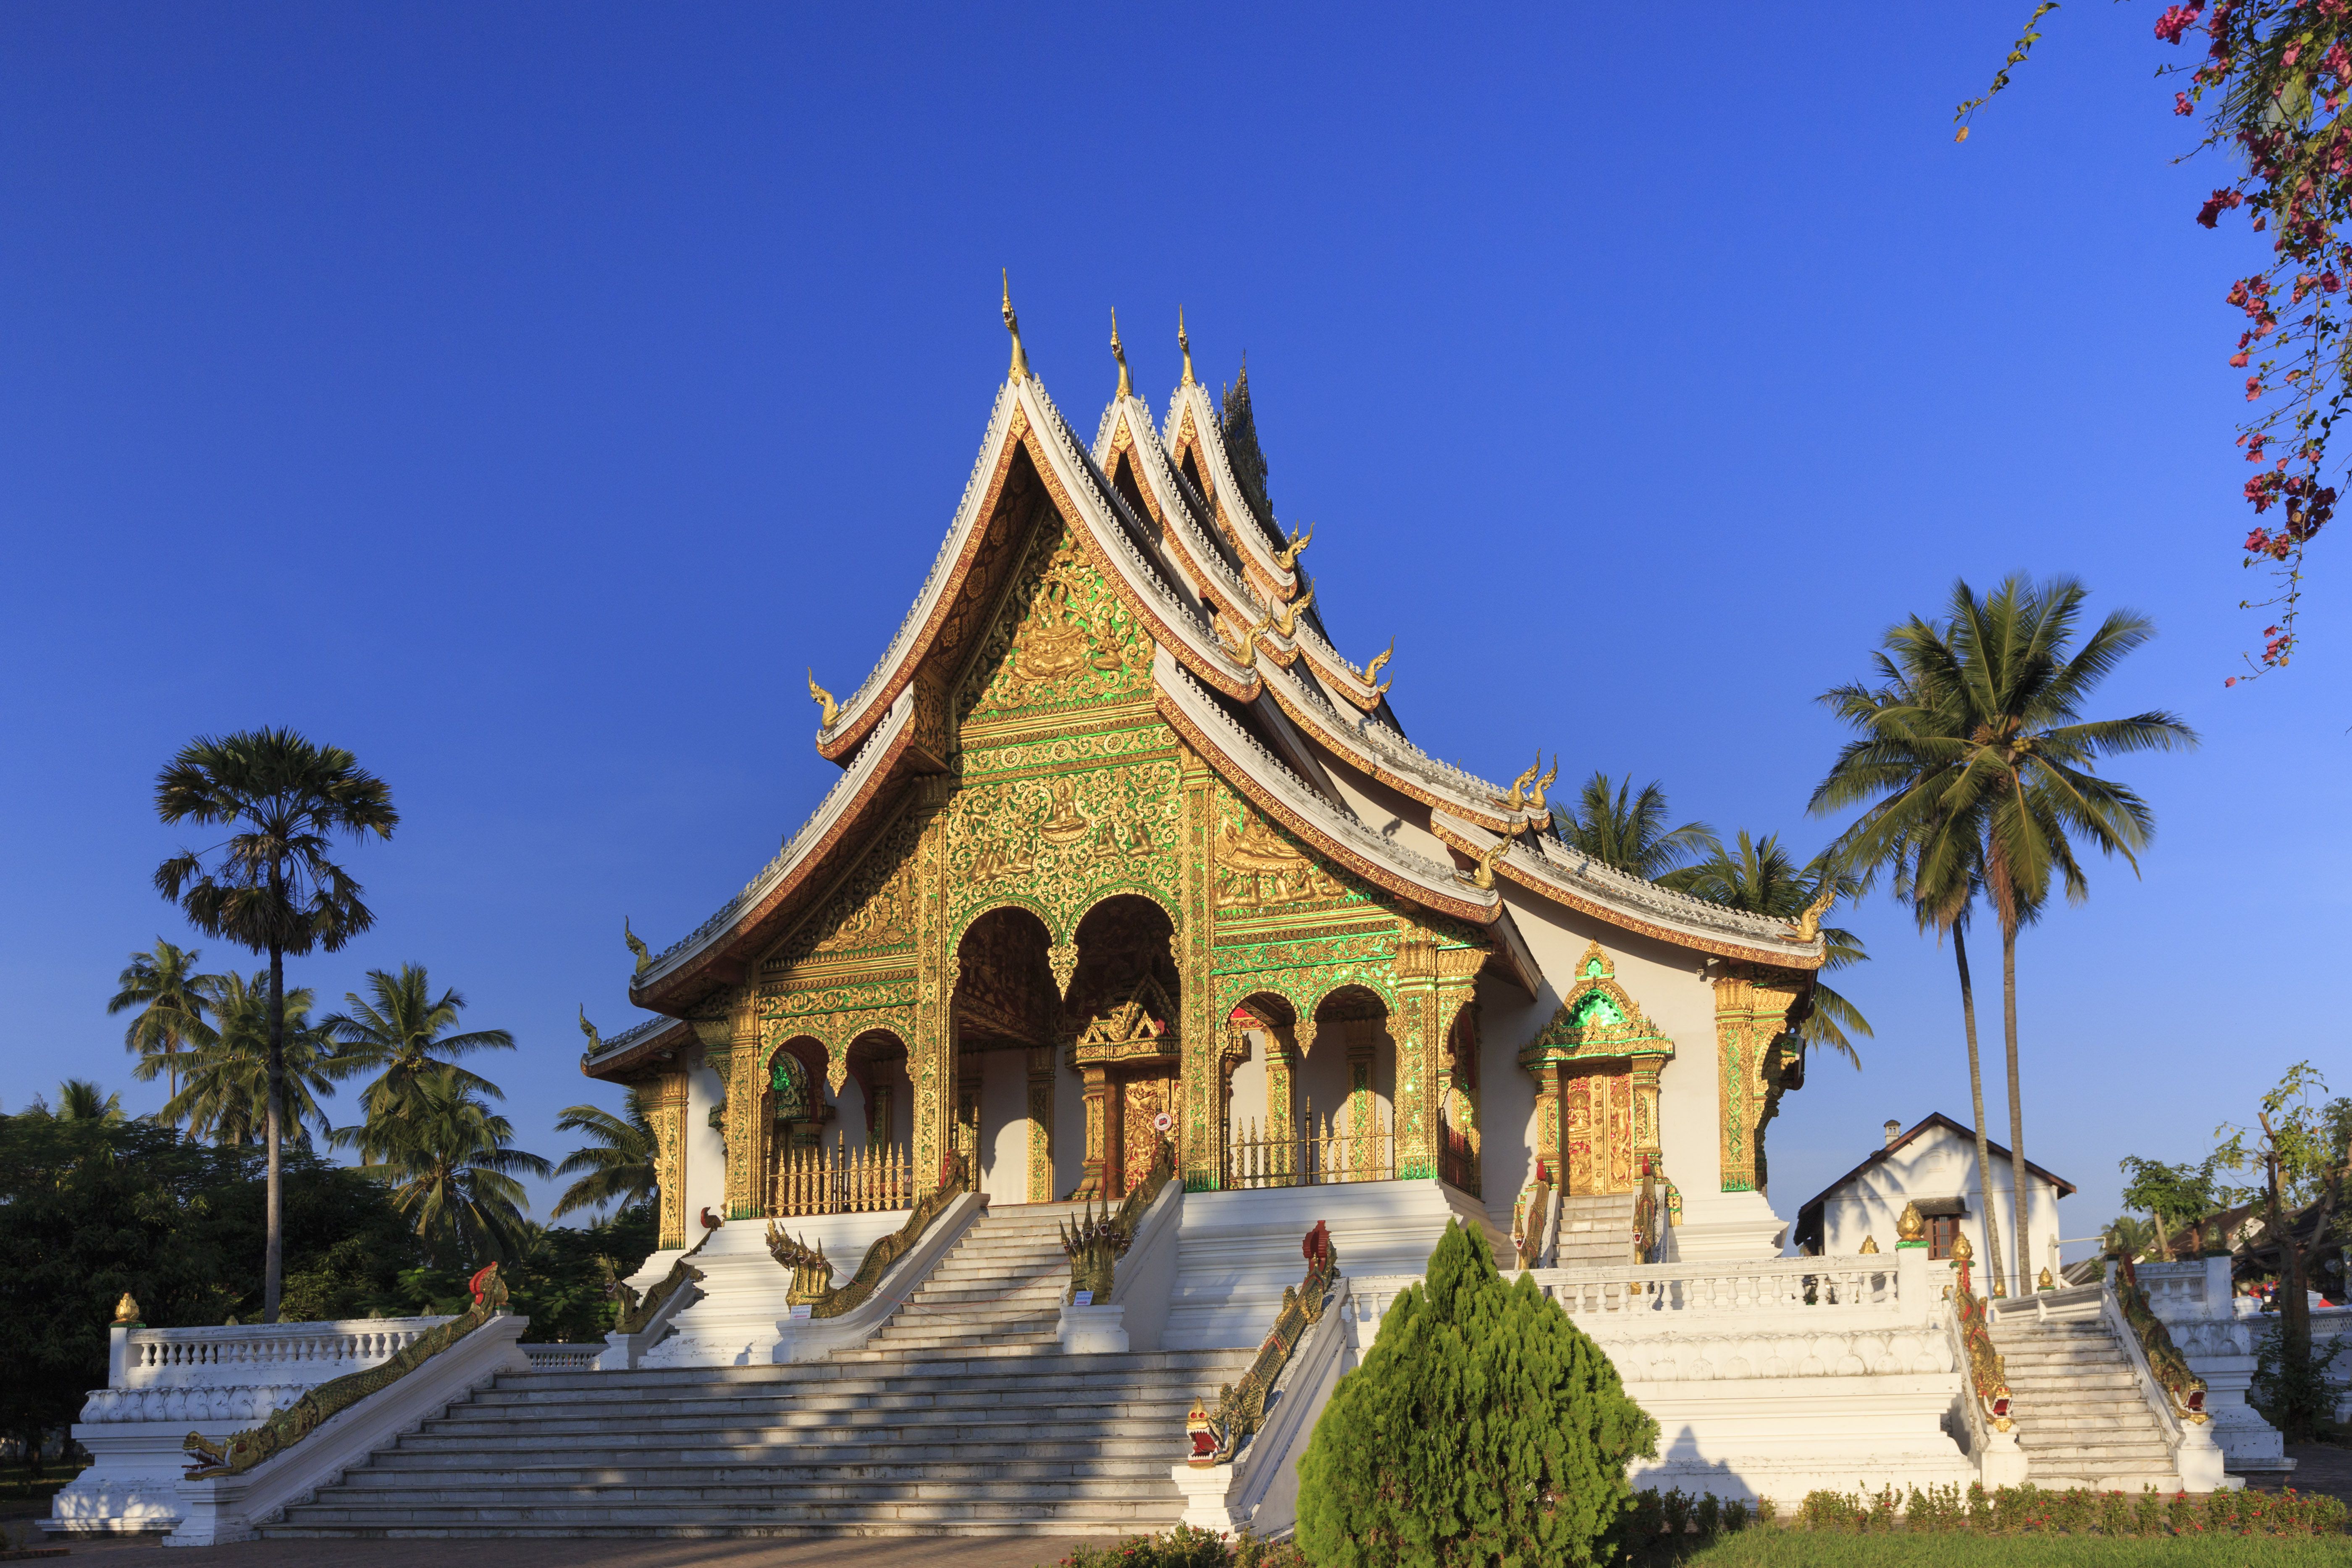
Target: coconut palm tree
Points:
(452, 1169)
(272, 890)
(165, 986)
(226, 1095)
(2013, 780)
(400, 1031)
(1762, 878)
(79, 1099)
(618, 1163)
(1908, 729)
(1628, 830)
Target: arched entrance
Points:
(1121, 1018)
(1347, 1089)
(1005, 1016)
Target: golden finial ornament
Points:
(824, 698)
(1910, 1225)
(1288, 623)
(1483, 876)
(1118, 352)
(1808, 924)
(1020, 361)
(2045, 1283)
(636, 945)
(1870, 1247)
(1247, 654)
(1299, 543)
(1185, 344)
(1535, 801)
(1519, 786)
(1373, 671)
(1961, 1251)
(126, 1312)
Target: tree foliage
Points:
(401, 1032)
(1626, 829)
(452, 1167)
(171, 1001)
(2300, 1151)
(1760, 877)
(225, 1079)
(1483, 1427)
(616, 1166)
(2176, 1196)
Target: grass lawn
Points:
(22, 1497)
(1964, 1549)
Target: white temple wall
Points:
(1398, 817)
(1247, 1104)
(847, 1128)
(1004, 1126)
(705, 1163)
(1939, 1164)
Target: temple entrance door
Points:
(1120, 1018)
(1597, 1127)
(1007, 1012)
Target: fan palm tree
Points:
(165, 986)
(226, 1095)
(1628, 830)
(78, 1100)
(272, 888)
(453, 1169)
(618, 1163)
(2012, 778)
(1762, 878)
(400, 1031)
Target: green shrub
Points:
(1183, 1547)
(1484, 1426)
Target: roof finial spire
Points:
(1013, 324)
(1185, 344)
(1118, 352)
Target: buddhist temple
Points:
(1124, 848)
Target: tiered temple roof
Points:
(1242, 670)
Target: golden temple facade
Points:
(1124, 849)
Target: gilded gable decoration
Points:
(1598, 1018)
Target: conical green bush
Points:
(1483, 1427)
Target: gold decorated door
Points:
(1599, 1130)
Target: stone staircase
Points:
(960, 1417)
(2080, 1417)
(1597, 1231)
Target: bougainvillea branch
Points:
(2026, 38)
(2271, 91)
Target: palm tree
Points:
(78, 1100)
(226, 1097)
(452, 1171)
(618, 1161)
(1762, 879)
(2014, 775)
(1629, 831)
(401, 1035)
(170, 995)
(273, 889)
(1909, 727)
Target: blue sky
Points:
(521, 397)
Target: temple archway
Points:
(1004, 1021)
(1258, 1073)
(1347, 1087)
(795, 1115)
(1120, 1015)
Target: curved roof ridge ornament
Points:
(1298, 543)
(823, 700)
(1019, 371)
(1118, 352)
(1185, 344)
(1373, 671)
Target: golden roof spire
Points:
(1013, 324)
(1118, 352)
(1185, 344)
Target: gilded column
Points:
(1751, 1010)
(1200, 1143)
(668, 1117)
(967, 1112)
(1414, 971)
(1041, 1125)
(1281, 1109)
(930, 1054)
(1455, 989)
(1102, 1135)
(730, 1038)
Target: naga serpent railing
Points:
(241, 1451)
(1240, 1407)
(1094, 1244)
(637, 1310)
(1988, 1376)
(2165, 1361)
(812, 1271)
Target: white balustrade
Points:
(563, 1357)
(1825, 1285)
(263, 1352)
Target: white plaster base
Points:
(1092, 1331)
(1205, 1488)
(1725, 1226)
(737, 1320)
(1781, 1438)
(131, 1486)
